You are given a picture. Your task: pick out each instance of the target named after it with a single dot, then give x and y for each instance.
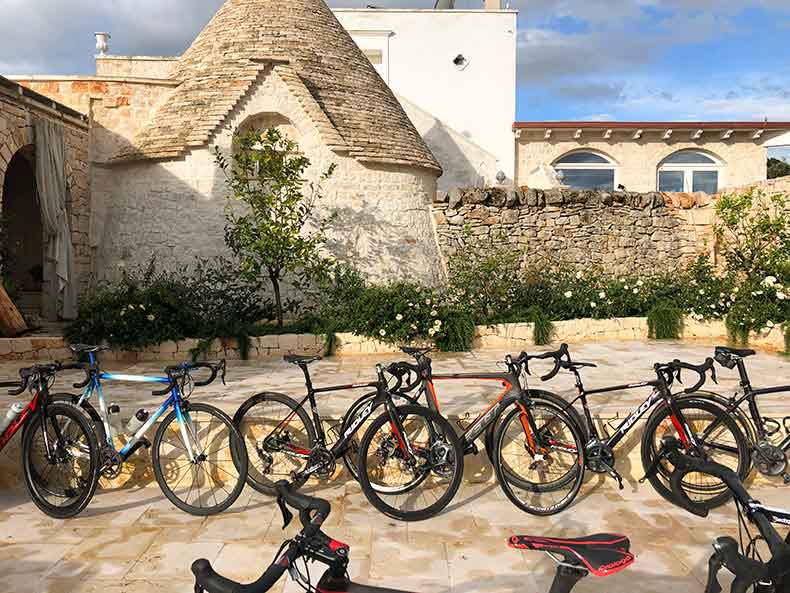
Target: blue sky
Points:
(578, 59)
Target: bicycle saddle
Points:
(602, 554)
(743, 352)
(300, 360)
(80, 348)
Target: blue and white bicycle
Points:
(198, 455)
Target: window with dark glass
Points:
(689, 171)
(586, 170)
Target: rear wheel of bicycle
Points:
(60, 457)
(540, 473)
(87, 407)
(416, 488)
(212, 478)
(719, 438)
(275, 456)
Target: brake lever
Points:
(714, 566)
(713, 374)
(287, 514)
(223, 367)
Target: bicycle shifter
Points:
(287, 514)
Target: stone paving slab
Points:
(134, 540)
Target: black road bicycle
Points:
(767, 456)
(60, 454)
(548, 428)
(417, 457)
(742, 558)
(600, 554)
(702, 427)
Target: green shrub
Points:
(458, 332)
(148, 306)
(664, 321)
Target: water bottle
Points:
(136, 422)
(10, 417)
(114, 420)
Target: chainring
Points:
(325, 459)
(769, 459)
(600, 458)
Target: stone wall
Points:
(18, 112)
(744, 159)
(620, 232)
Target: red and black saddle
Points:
(602, 554)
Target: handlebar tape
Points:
(208, 579)
(305, 504)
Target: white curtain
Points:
(52, 191)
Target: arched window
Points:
(689, 170)
(584, 169)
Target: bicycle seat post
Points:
(566, 578)
(307, 381)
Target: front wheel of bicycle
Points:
(201, 466)
(539, 464)
(719, 439)
(414, 474)
(60, 457)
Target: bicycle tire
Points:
(254, 476)
(87, 407)
(660, 478)
(373, 494)
(575, 476)
(73, 414)
(238, 457)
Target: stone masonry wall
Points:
(17, 116)
(620, 232)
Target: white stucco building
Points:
(454, 72)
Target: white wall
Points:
(417, 49)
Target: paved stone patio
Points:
(133, 539)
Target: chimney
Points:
(493, 4)
(102, 43)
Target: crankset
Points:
(325, 462)
(769, 459)
(600, 459)
(111, 463)
(441, 459)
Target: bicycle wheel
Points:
(60, 457)
(214, 479)
(540, 473)
(274, 456)
(416, 488)
(87, 407)
(719, 438)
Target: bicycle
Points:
(689, 418)
(289, 443)
(561, 445)
(60, 454)
(191, 440)
(741, 558)
(770, 459)
(601, 555)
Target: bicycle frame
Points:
(174, 400)
(31, 408)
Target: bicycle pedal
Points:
(786, 479)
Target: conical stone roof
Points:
(311, 50)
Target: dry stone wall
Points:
(619, 232)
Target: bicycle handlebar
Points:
(46, 370)
(561, 356)
(670, 371)
(176, 372)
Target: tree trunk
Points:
(278, 303)
(11, 322)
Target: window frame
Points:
(609, 165)
(688, 169)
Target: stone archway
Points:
(22, 233)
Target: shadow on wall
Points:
(465, 163)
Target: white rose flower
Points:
(592, 304)
(427, 301)
(431, 332)
(438, 323)
(781, 296)
(568, 294)
(150, 317)
(399, 317)
(701, 291)
(602, 295)
(769, 281)
(382, 332)
(578, 275)
(434, 313)
(640, 283)
(769, 324)
(636, 291)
